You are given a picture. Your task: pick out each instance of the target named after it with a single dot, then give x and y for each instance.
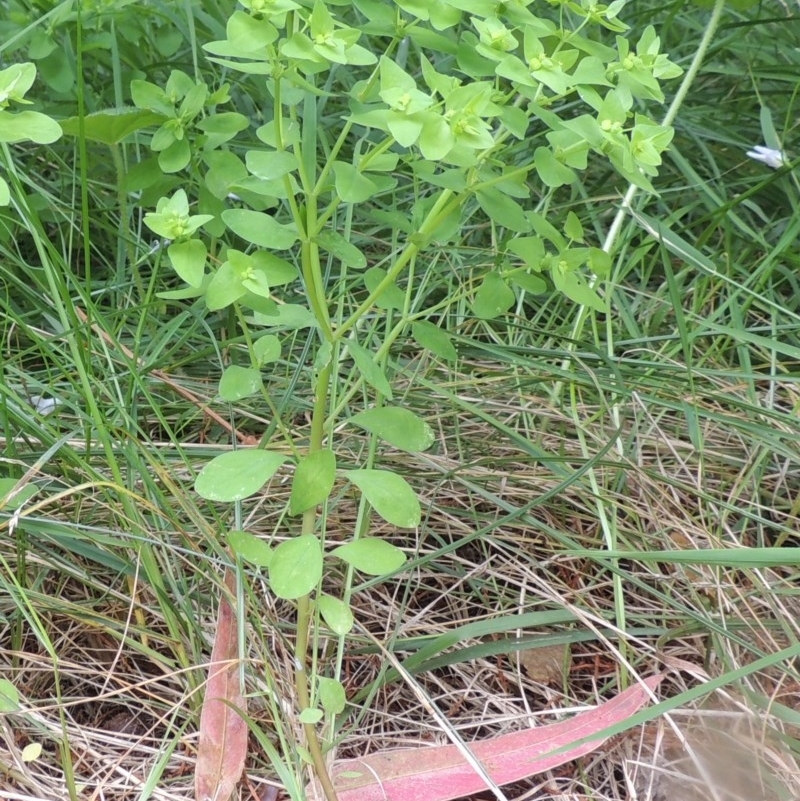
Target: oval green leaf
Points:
(239, 382)
(9, 696)
(371, 555)
(392, 296)
(534, 284)
(267, 349)
(576, 288)
(399, 427)
(504, 211)
(112, 125)
(390, 495)
(28, 125)
(493, 297)
(296, 567)
(259, 229)
(336, 614)
(351, 185)
(237, 474)
(434, 339)
(331, 695)
(369, 369)
(311, 715)
(313, 481)
(347, 253)
(250, 548)
(224, 288)
(188, 259)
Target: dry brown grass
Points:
(128, 705)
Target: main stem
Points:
(312, 274)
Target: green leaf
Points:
(351, 185)
(57, 71)
(311, 715)
(237, 474)
(534, 284)
(247, 34)
(220, 128)
(370, 370)
(434, 339)
(28, 126)
(9, 697)
(347, 253)
(180, 294)
(530, 249)
(168, 40)
(573, 228)
(331, 695)
(405, 129)
(175, 157)
(394, 78)
(336, 614)
(371, 555)
(547, 230)
(313, 481)
(146, 95)
(493, 297)
(31, 752)
(599, 262)
(295, 568)
(5, 193)
(188, 259)
(16, 80)
(390, 496)
(256, 283)
(551, 170)
(575, 287)
(260, 229)
(278, 271)
(111, 126)
(399, 427)
(270, 165)
(392, 296)
(515, 70)
(516, 120)
(239, 382)
(289, 316)
(436, 139)
(503, 210)
(267, 349)
(250, 548)
(224, 288)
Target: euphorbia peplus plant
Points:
(436, 113)
(20, 126)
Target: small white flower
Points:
(158, 244)
(44, 406)
(768, 155)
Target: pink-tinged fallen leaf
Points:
(222, 748)
(440, 773)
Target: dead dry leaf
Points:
(441, 773)
(222, 747)
(546, 665)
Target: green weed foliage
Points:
(302, 170)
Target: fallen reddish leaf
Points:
(222, 747)
(440, 773)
